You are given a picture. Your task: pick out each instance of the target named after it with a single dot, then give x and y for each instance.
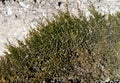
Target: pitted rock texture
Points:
(18, 16)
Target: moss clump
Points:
(66, 47)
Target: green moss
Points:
(65, 47)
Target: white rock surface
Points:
(16, 18)
(8, 11)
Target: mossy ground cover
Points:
(66, 47)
